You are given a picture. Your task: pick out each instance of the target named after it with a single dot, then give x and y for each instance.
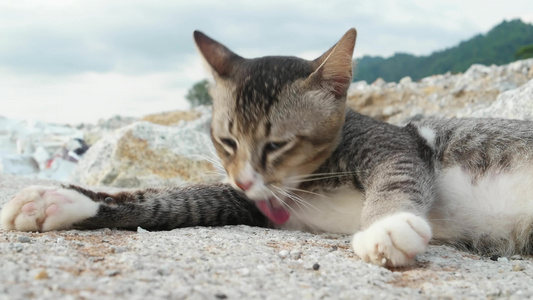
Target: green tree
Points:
(498, 46)
(198, 94)
(525, 52)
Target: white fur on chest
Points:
(336, 211)
(496, 206)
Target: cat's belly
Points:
(338, 211)
(497, 206)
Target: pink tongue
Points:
(276, 214)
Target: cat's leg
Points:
(39, 208)
(393, 241)
(393, 218)
(54, 208)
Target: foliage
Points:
(198, 94)
(498, 46)
(525, 52)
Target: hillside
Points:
(498, 46)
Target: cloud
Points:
(68, 37)
(112, 54)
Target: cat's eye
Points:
(273, 146)
(230, 143)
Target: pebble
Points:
(518, 267)
(316, 266)
(221, 296)
(503, 259)
(111, 273)
(141, 230)
(245, 271)
(118, 249)
(42, 275)
(516, 257)
(296, 254)
(17, 247)
(163, 272)
(60, 240)
(494, 257)
(283, 253)
(23, 239)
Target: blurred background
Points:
(80, 61)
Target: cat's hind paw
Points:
(38, 208)
(393, 241)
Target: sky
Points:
(74, 61)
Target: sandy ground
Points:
(237, 262)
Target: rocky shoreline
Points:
(174, 147)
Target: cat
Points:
(297, 158)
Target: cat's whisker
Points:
(296, 213)
(308, 192)
(284, 194)
(320, 174)
(214, 160)
(297, 199)
(283, 203)
(314, 179)
(214, 175)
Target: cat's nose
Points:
(244, 185)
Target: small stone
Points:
(116, 249)
(221, 296)
(494, 257)
(162, 272)
(503, 259)
(245, 271)
(283, 253)
(111, 273)
(17, 247)
(42, 275)
(517, 257)
(141, 230)
(333, 248)
(316, 266)
(296, 254)
(60, 240)
(23, 239)
(518, 267)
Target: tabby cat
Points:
(297, 158)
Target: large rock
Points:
(513, 104)
(447, 94)
(37, 149)
(146, 154)
(18, 165)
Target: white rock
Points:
(406, 81)
(514, 104)
(146, 154)
(379, 83)
(358, 86)
(18, 165)
(41, 156)
(60, 169)
(477, 71)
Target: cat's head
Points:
(276, 118)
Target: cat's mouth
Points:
(273, 210)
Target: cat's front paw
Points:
(393, 241)
(38, 208)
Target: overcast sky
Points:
(81, 60)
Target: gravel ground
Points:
(237, 262)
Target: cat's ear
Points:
(333, 69)
(221, 60)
